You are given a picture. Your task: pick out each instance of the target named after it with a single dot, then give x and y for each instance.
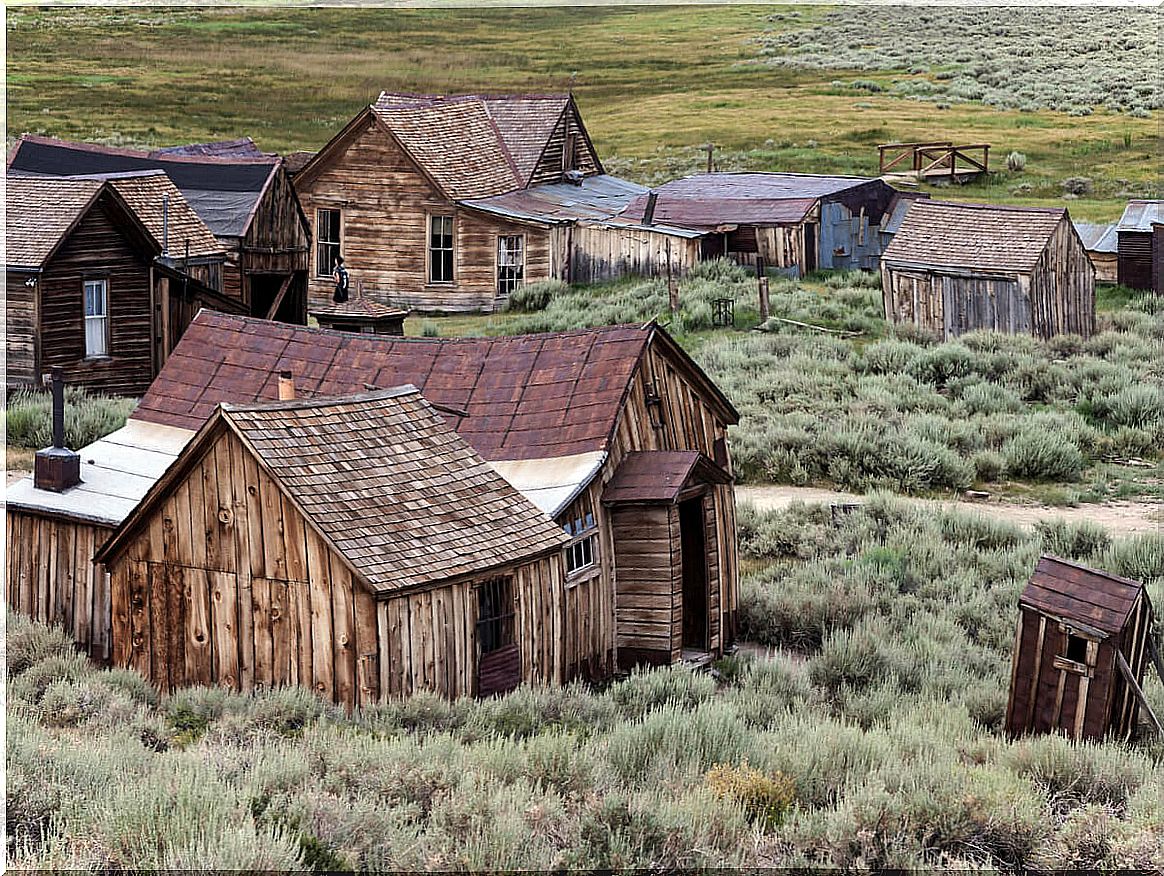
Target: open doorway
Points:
(692, 536)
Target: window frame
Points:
(429, 249)
(499, 629)
(517, 282)
(338, 243)
(103, 282)
(581, 554)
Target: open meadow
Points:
(860, 725)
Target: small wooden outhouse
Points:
(1138, 268)
(1081, 648)
(361, 315)
(357, 546)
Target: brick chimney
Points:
(57, 468)
(286, 386)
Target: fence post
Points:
(764, 312)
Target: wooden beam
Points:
(279, 298)
(1126, 671)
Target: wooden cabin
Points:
(1137, 268)
(1101, 243)
(557, 415)
(244, 196)
(356, 546)
(91, 284)
(362, 315)
(791, 222)
(953, 268)
(1081, 648)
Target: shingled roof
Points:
(984, 237)
(168, 216)
(398, 494)
(39, 211)
(1067, 590)
(524, 397)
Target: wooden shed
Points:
(355, 545)
(244, 196)
(1101, 243)
(1137, 268)
(1081, 648)
(953, 268)
(361, 315)
(92, 285)
(555, 414)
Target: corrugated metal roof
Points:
(1098, 237)
(1139, 216)
(1070, 591)
(709, 200)
(986, 237)
(599, 198)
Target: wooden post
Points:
(764, 308)
(673, 292)
(709, 149)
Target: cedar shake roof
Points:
(524, 397)
(659, 476)
(400, 496)
(1070, 591)
(243, 147)
(984, 237)
(473, 145)
(359, 308)
(175, 222)
(40, 211)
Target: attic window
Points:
(582, 550)
(568, 153)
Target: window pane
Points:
(95, 344)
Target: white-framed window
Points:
(582, 549)
(96, 318)
(440, 249)
(510, 263)
(327, 241)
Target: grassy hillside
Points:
(654, 84)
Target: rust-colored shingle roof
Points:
(473, 145)
(401, 496)
(982, 237)
(39, 212)
(1073, 592)
(525, 397)
(173, 220)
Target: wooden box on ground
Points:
(1080, 652)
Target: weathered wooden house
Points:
(92, 285)
(1081, 647)
(245, 197)
(953, 268)
(357, 546)
(449, 203)
(1137, 268)
(792, 222)
(614, 433)
(1101, 243)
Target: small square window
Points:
(1076, 649)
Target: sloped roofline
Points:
(137, 153)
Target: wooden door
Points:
(498, 657)
(692, 528)
(810, 259)
(983, 303)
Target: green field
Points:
(654, 84)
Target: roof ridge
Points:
(978, 205)
(145, 155)
(297, 404)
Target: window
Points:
(510, 263)
(327, 241)
(495, 615)
(1076, 649)
(440, 249)
(96, 318)
(582, 550)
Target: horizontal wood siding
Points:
(52, 578)
(1135, 259)
(98, 249)
(646, 600)
(21, 329)
(553, 160)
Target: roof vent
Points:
(57, 468)
(574, 177)
(649, 210)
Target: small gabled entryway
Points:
(667, 582)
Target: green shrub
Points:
(765, 797)
(87, 417)
(28, 643)
(532, 297)
(1016, 162)
(1073, 541)
(1042, 456)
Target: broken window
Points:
(510, 263)
(582, 550)
(495, 615)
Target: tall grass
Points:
(28, 417)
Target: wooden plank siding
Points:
(585, 253)
(22, 321)
(385, 203)
(51, 577)
(228, 585)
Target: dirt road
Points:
(1120, 518)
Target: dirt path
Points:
(1120, 518)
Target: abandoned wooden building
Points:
(1137, 268)
(792, 222)
(953, 268)
(1101, 243)
(561, 416)
(280, 549)
(246, 199)
(361, 314)
(1081, 648)
(92, 285)
(478, 194)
